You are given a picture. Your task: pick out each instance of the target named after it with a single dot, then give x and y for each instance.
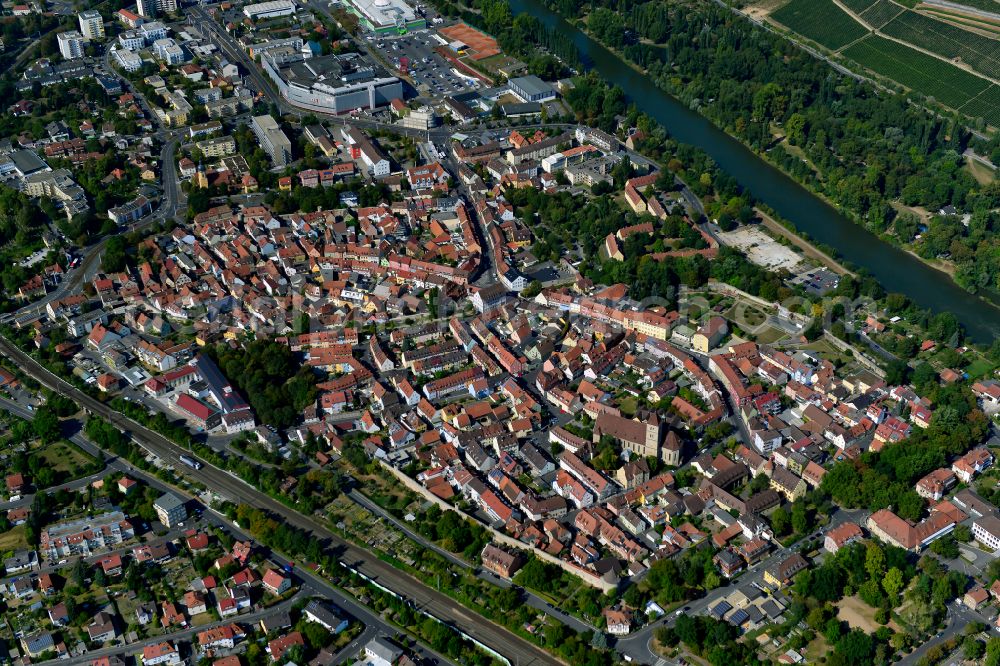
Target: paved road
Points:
(496, 637)
(958, 618)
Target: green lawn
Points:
(14, 539)
(65, 458)
(628, 405)
(980, 368)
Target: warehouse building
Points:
(269, 10)
(532, 89)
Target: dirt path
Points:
(808, 248)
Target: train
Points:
(193, 463)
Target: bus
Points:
(193, 463)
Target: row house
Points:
(85, 536)
(591, 478)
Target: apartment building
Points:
(272, 139)
(70, 44)
(91, 24)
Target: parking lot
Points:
(432, 75)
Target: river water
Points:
(897, 270)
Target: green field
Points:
(880, 13)
(14, 539)
(986, 106)
(977, 51)
(65, 458)
(917, 71)
(821, 21)
(980, 368)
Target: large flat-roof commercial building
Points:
(386, 16)
(219, 389)
(532, 89)
(272, 139)
(333, 84)
(269, 10)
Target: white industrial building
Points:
(385, 16)
(268, 10)
(531, 89)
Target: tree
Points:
(855, 648)
(46, 424)
(533, 289)
(833, 630)
(800, 517)
(946, 547)
(113, 259)
(874, 560)
(780, 521)
(973, 648)
(893, 582)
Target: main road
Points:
(497, 638)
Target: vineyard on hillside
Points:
(979, 52)
(908, 61)
(986, 106)
(917, 71)
(880, 13)
(821, 21)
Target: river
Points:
(896, 269)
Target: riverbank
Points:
(813, 216)
(944, 267)
(802, 244)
